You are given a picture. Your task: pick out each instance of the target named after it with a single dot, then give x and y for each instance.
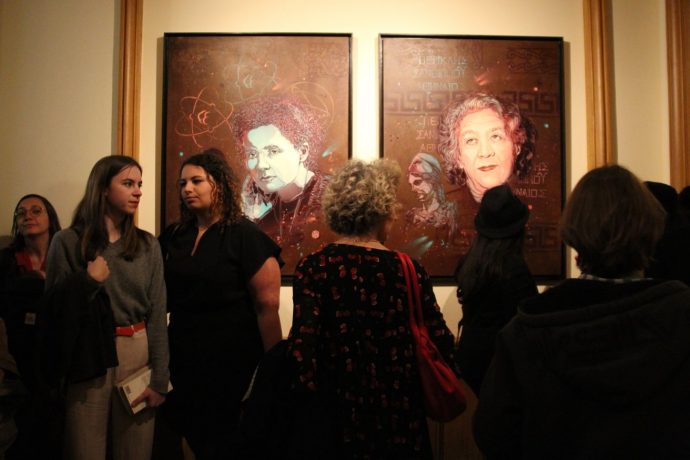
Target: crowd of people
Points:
(593, 367)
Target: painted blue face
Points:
(273, 161)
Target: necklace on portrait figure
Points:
(285, 218)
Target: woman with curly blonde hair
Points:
(350, 338)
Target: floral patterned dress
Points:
(351, 338)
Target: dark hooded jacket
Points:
(591, 370)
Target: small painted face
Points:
(421, 187)
(487, 152)
(273, 161)
(32, 218)
(124, 192)
(196, 189)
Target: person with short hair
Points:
(105, 279)
(350, 339)
(596, 367)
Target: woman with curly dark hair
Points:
(223, 279)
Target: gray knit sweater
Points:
(136, 290)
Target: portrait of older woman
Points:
(280, 138)
(484, 142)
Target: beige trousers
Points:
(92, 404)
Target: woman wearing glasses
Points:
(22, 279)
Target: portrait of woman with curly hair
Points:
(485, 141)
(491, 110)
(280, 139)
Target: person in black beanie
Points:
(493, 278)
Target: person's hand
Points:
(151, 397)
(98, 269)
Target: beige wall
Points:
(57, 61)
(57, 75)
(641, 78)
(365, 19)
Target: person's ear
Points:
(517, 150)
(303, 152)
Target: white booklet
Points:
(133, 386)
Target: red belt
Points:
(128, 331)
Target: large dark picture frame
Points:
(273, 104)
(430, 85)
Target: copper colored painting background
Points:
(209, 77)
(420, 76)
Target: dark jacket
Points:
(20, 297)
(484, 314)
(591, 370)
(76, 332)
(280, 422)
(13, 394)
(672, 254)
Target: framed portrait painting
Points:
(462, 114)
(277, 107)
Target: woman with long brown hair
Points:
(106, 277)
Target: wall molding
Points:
(129, 83)
(601, 128)
(678, 46)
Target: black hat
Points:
(501, 214)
